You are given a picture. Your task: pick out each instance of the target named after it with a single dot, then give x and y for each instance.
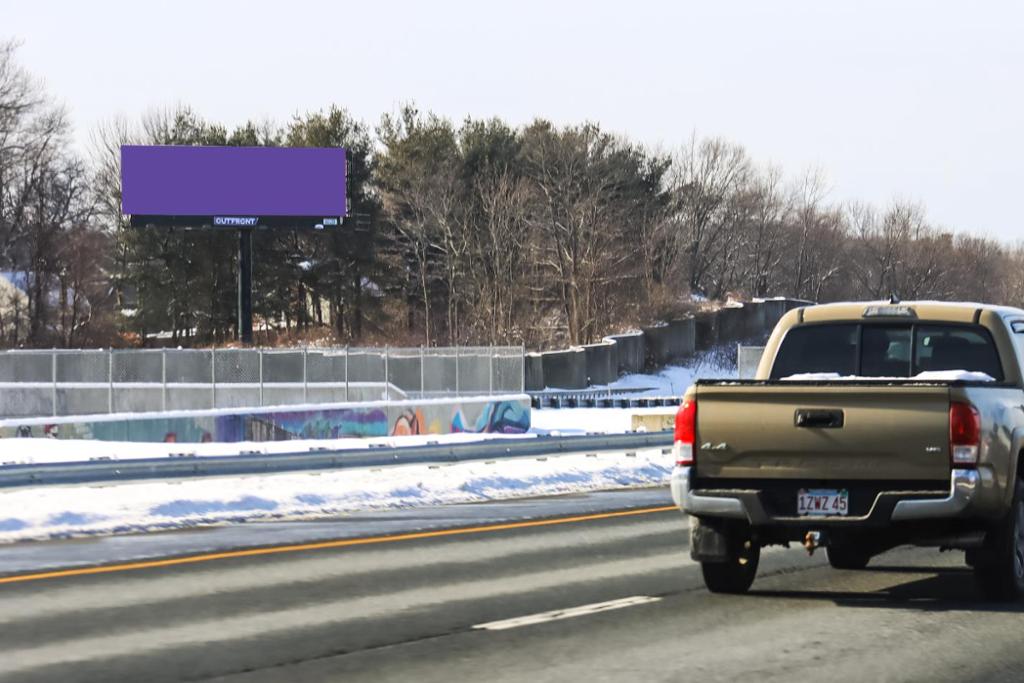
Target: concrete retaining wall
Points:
(774, 309)
(565, 369)
(632, 351)
(533, 379)
(706, 330)
(670, 342)
(602, 362)
(731, 324)
(754, 320)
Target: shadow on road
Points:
(948, 590)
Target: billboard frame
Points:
(244, 223)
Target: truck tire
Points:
(736, 574)
(847, 557)
(999, 566)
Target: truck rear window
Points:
(852, 349)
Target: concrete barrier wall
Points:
(632, 351)
(533, 369)
(754, 320)
(497, 414)
(565, 369)
(706, 330)
(602, 362)
(685, 335)
(731, 324)
(774, 309)
(670, 342)
(657, 345)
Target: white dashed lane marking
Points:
(555, 615)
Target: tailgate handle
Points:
(819, 419)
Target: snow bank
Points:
(62, 512)
(674, 380)
(568, 421)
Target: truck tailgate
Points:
(785, 430)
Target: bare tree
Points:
(705, 177)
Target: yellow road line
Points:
(340, 543)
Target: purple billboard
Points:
(233, 186)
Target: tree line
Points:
(471, 232)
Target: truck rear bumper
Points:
(712, 506)
(894, 506)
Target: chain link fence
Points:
(85, 382)
(747, 360)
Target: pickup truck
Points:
(867, 426)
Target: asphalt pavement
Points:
(594, 595)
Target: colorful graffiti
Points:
(502, 417)
(497, 417)
(397, 419)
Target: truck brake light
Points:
(964, 434)
(685, 433)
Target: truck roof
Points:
(959, 311)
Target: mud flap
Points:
(708, 543)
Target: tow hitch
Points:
(814, 540)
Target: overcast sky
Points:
(891, 99)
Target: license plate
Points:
(822, 502)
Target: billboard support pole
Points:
(245, 286)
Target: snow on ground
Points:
(568, 421)
(675, 379)
(63, 511)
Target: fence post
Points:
(346, 373)
(305, 376)
(163, 379)
(261, 376)
(422, 360)
(387, 394)
(456, 369)
(490, 372)
(522, 369)
(213, 377)
(53, 370)
(110, 380)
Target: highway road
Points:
(597, 596)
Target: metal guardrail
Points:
(97, 471)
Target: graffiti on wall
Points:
(502, 417)
(481, 416)
(493, 417)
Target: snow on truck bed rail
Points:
(929, 376)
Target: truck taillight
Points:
(964, 434)
(685, 433)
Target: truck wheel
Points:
(847, 557)
(999, 566)
(736, 574)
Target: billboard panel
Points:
(232, 187)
